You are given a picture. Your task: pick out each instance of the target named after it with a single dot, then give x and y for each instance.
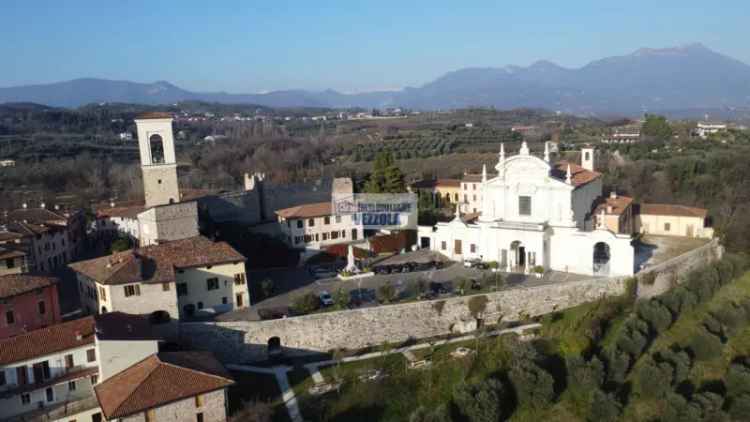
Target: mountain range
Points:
(691, 77)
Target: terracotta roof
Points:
(154, 115)
(8, 235)
(579, 175)
(37, 216)
(435, 183)
(16, 284)
(157, 263)
(125, 210)
(122, 326)
(342, 250)
(673, 210)
(619, 204)
(318, 209)
(160, 379)
(46, 341)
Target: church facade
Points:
(537, 214)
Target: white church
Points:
(535, 213)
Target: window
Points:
(299, 224)
(311, 222)
(325, 236)
(326, 220)
(42, 307)
(524, 205)
(69, 363)
(466, 198)
(338, 219)
(132, 290)
(165, 287)
(239, 278)
(335, 235)
(666, 227)
(10, 263)
(317, 237)
(354, 234)
(182, 289)
(10, 318)
(157, 149)
(50, 394)
(25, 398)
(443, 246)
(150, 416)
(2, 377)
(212, 283)
(474, 186)
(91, 355)
(94, 379)
(200, 305)
(473, 248)
(224, 300)
(199, 417)
(199, 400)
(72, 386)
(102, 293)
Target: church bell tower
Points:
(158, 162)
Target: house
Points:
(615, 212)
(471, 192)
(185, 278)
(441, 190)
(27, 302)
(704, 129)
(179, 386)
(13, 256)
(48, 238)
(673, 220)
(535, 213)
(313, 227)
(630, 137)
(49, 371)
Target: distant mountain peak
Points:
(683, 49)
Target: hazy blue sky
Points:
(249, 46)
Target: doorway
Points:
(239, 300)
(457, 247)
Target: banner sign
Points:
(375, 211)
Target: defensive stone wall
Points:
(245, 341)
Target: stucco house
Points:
(27, 302)
(441, 190)
(673, 220)
(537, 214)
(184, 278)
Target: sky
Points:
(350, 46)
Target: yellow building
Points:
(673, 220)
(615, 213)
(443, 191)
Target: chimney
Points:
(609, 209)
(587, 158)
(613, 195)
(79, 336)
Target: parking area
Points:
(429, 283)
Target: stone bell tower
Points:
(158, 162)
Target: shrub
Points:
(254, 411)
(534, 387)
(618, 364)
(681, 364)
(424, 414)
(708, 405)
(657, 315)
(713, 326)
(739, 407)
(649, 278)
(704, 346)
(632, 342)
(266, 287)
(305, 304)
(480, 402)
(587, 375)
(477, 305)
(731, 316)
(387, 293)
(738, 380)
(120, 244)
(604, 407)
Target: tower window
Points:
(524, 205)
(157, 149)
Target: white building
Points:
(312, 227)
(7, 163)
(534, 213)
(705, 129)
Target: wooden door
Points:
(457, 247)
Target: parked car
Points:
(476, 263)
(476, 284)
(325, 298)
(439, 289)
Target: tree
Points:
(534, 387)
(604, 407)
(120, 244)
(704, 345)
(305, 304)
(425, 414)
(254, 411)
(656, 127)
(386, 177)
(481, 402)
(266, 287)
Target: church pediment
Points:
(522, 169)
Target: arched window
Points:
(157, 149)
(601, 259)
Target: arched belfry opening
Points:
(156, 144)
(601, 258)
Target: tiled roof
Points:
(122, 326)
(157, 263)
(16, 284)
(160, 379)
(8, 235)
(46, 341)
(619, 204)
(436, 183)
(124, 211)
(673, 210)
(153, 115)
(318, 209)
(579, 175)
(36, 216)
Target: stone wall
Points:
(354, 329)
(659, 278)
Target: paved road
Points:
(404, 282)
